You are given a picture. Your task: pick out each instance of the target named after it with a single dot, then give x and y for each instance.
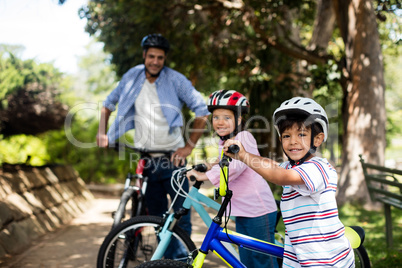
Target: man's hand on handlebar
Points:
(179, 157)
(102, 140)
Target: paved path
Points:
(77, 244)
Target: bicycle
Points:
(136, 192)
(216, 234)
(157, 232)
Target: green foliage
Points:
(96, 73)
(28, 93)
(390, 28)
(92, 163)
(393, 96)
(15, 74)
(215, 46)
(25, 149)
(73, 144)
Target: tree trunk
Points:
(364, 102)
(324, 24)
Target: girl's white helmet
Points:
(302, 106)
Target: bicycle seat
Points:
(355, 235)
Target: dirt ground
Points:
(77, 244)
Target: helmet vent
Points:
(318, 111)
(306, 103)
(297, 101)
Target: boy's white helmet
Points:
(302, 106)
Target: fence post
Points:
(388, 224)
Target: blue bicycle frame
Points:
(216, 234)
(196, 200)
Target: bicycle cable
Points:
(180, 187)
(179, 190)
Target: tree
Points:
(363, 87)
(29, 97)
(271, 51)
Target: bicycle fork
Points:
(165, 234)
(212, 243)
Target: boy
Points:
(314, 234)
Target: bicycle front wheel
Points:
(119, 215)
(361, 257)
(134, 242)
(164, 264)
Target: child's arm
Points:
(267, 168)
(201, 176)
(210, 165)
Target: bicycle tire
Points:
(134, 241)
(119, 215)
(164, 264)
(362, 259)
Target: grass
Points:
(373, 223)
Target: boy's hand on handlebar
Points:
(229, 151)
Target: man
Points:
(150, 98)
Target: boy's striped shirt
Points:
(314, 234)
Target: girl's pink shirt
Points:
(252, 196)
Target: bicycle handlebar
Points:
(200, 168)
(233, 149)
